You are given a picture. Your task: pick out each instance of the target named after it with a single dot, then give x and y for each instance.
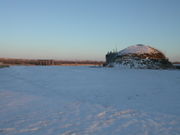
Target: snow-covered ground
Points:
(89, 101)
(139, 49)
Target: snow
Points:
(138, 49)
(53, 100)
(136, 64)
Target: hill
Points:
(139, 56)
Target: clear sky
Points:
(87, 29)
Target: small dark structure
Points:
(110, 57)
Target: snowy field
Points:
(53, 100)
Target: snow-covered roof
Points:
(138, 49)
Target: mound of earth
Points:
(139, 56)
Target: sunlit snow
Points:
(138, 49)
(53, 100)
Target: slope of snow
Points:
(138, 49)
(89, 101)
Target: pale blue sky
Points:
(87, 29)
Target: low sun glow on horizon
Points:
(87, 30)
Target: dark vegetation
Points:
(11, 61)
(177, 65)
(3, 66)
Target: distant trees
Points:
(10, 61)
